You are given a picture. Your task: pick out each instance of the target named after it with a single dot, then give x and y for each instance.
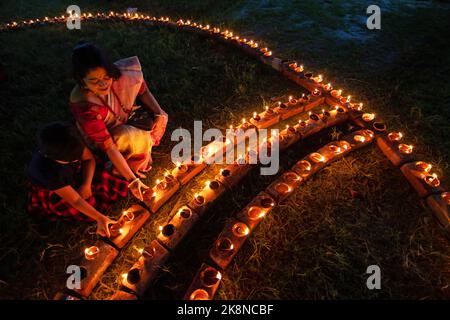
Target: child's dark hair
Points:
(61, 141)
(86, 56)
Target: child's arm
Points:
(88, 169)
(75, 200)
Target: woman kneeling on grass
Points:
(102, 103)
(65, 182)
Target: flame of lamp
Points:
(359, 138)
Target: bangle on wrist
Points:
(132, 182)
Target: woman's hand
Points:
(137, 188)
(85, 191)
(103, 226)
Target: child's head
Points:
(60, 141)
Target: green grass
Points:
(317, 245)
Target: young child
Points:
(65, 182)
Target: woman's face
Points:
(98, 81)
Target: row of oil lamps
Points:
(234, 234)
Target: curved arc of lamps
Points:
(418, 173)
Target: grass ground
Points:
(316, 246)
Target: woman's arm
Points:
(150, 102)
(122, 166)
(75, 200)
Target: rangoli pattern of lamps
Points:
(147, 267)
(171, 234)
(205, 283)
(228, 243)
(162, 191)
(314, 84)
(421, 178)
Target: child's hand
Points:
(103, 226)
(85, 191)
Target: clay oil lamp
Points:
(336, 93)
(405, 148)
(395, 136)
(210, 277)
(199, 294)
(423, 167)
(328, 87)
(432, 180)
(317, 157)
(91, 253)
(240, 229)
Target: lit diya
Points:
(423, 166)
(395, 136)
(405, 148)
(432, 180)
(255, 213)
(367, 117)
(210, 277)
(335, 148)
(240, 229)
(317, 157)
(199, 199)
(304, 166)
(225, 246)
(91, 253)
(199, 294)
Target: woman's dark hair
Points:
(86, 56)
(61, 141)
